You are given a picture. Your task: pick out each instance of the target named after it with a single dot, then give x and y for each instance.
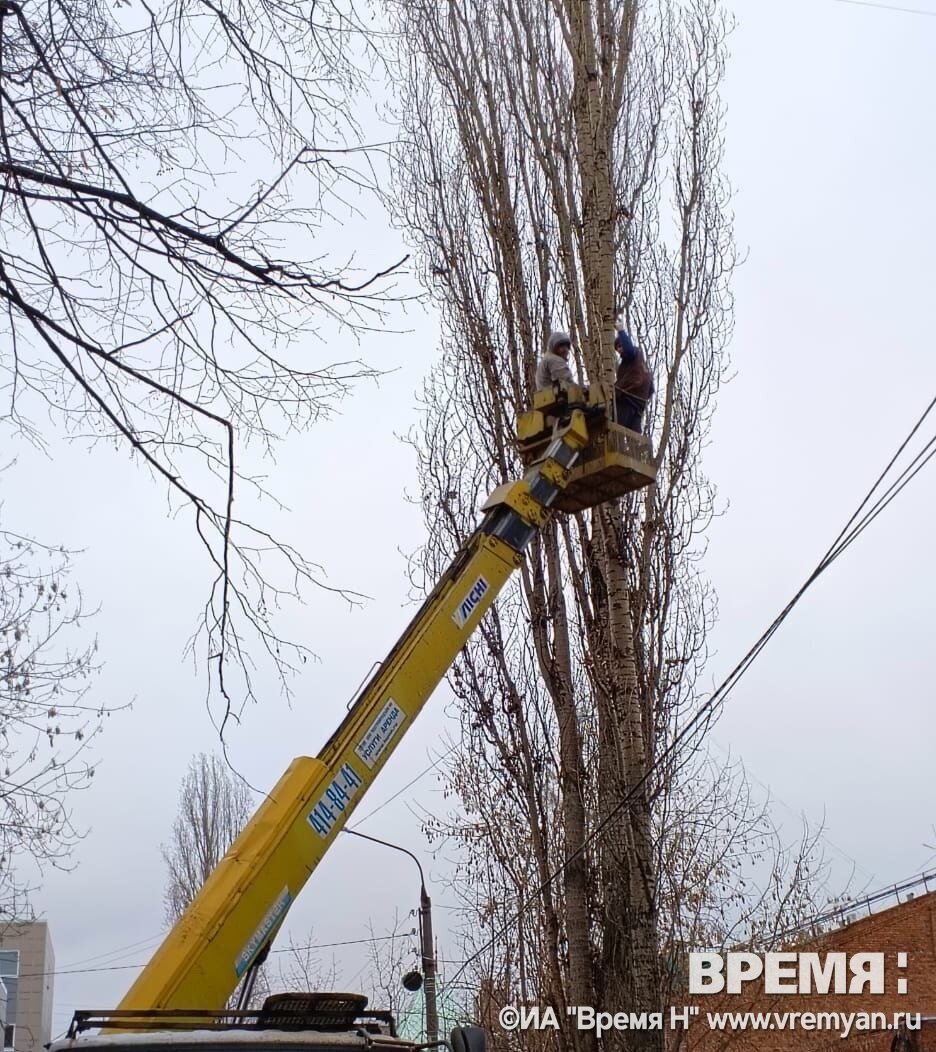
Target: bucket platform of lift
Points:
(615, 462)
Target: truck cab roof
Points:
(285, 1023)
(230, 1040)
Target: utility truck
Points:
(575, 457)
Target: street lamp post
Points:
(425, 939)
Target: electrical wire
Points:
(283, 949)
(117, 952)
(774, 799)
(352, 942)
(856, 525)
(422, 774)
(76, 970)
(849, 533)
(887, 7)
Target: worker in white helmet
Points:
(553, 366)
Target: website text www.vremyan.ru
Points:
(584, 1017)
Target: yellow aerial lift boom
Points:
(576, 457)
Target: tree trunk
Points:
(581, 979)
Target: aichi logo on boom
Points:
(467, 605)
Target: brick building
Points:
(908, 927)
(26, 966)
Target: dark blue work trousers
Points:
(630, 411)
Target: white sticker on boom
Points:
(380, 733)
(466, 607)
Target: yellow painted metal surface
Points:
(614, 461)
(245, 900)
(518, 497)
(497, 496)
(530, 424)
(547, 396)
(555, 473)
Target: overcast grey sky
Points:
(830, 149)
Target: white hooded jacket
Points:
(550, 368)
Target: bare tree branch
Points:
(47, 718)
(159, 284)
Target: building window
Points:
(9, 970)
(12, 989)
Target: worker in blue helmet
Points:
(633, 385)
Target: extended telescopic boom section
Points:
(234, 917)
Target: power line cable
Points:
(774, 798)
(906, 887)
(117, 952)
(422, 774)
(887, 7)
(846, 537)
(282, 949)
(839, 545)
(71, 970)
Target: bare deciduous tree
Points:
(47, 720)
(387, 964)
(726, 879)
(299, 967)
(160, 285)
(563, 161)
(214, 806)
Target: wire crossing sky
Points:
(888, 7)
(853, 528)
